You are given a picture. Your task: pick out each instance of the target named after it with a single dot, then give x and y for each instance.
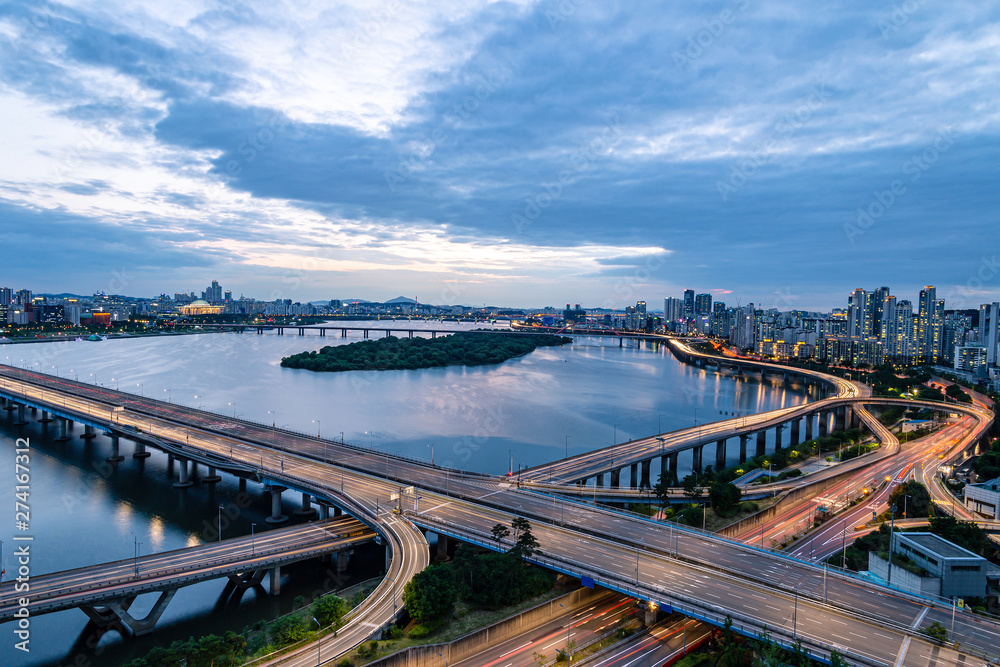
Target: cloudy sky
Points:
(523, 153)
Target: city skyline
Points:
(514, 153)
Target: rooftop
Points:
(938, 545)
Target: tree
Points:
(690, 486)
(329, 610)
(518, 524)
(430, 594)
(662, 492)
(288, 630)
(937, 632)
(724, 496)
(500, 532)
(918, 504)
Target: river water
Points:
(526, 411)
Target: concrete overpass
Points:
(105, 592)
(699, 574)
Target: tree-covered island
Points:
(391, 353)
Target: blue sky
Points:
(521, 153)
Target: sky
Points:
(512, 153)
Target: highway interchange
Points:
(702, 575)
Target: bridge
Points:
(701, 575)
(105, 592)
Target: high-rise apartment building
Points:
(989, 316)
(703, 304)
(688, 303)
(673, 310)
(859, 314)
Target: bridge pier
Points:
(88, 432)
(644, 479)
(245, 580)
(672, 469)
(795, 432)
(140, 451)
(21, 421)
(777, 436)
(761, 443)
(183, 481)
(809, 426)
(343, 559)
(744, 437)
(115, 456)
(45, 417)
(115, 614)
(853, 420)
(276, 515)
(633, 477)
(307, 509)
(63, 436)
(599, 480)
(616, 478)
(824, 423)
(275, 581)
(696, 452)
(442, 547)
(212, 477)
(322, 511)
(720, 455)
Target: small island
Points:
(391, 353)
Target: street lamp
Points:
(319, 636)
(168, 395)
(569, 626)
(253, 543)
(431, 445)
(142, 388)
(637, 566)
(567, 446)
(220, 523)
(371, 444)
(318, 428)
(199, 400)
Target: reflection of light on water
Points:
(123, 516)
(192, 540)
(156, 533)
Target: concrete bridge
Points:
(699, 574)
(106, 592)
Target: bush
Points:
(418, 631)
(288, 630)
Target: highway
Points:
(172, 569)
(662, 643)
(699, 574)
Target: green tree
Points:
(724, 497)
(329, 610)
(500, 533)
(917, 504)
(937, 632)
(690, 486)
(288, 630)
(430, 594)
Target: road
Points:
(663, 642)
(181, 567)
(698, 574)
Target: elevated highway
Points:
(699, 574)
(106, 591)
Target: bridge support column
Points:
(307, 509)
(247, 580)
(275, 581)
(795, 432)
(761, 443)
(743, 447)
(182, 475)
(322, 511)
(116, 614)
(672, 469)
(442, 547)
(599, 481)
(840, 417)
(337, 511)
(777, 436)
(115, 456)
(824, 423)
(809, 426)
(343, 559)
(633, 477)
(88, 432)
(696, 458)
(720, 455)
(212, 477)
(616, 478)
(63, 436)
(853, 421)
(45, 417)
(21, 421)
(276, 515)
(140, 451)
(644, 479)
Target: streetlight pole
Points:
(253, 542)
(220, 524)
(431, 445)
(892, 527)
(567, 447)
(569, 626)
(319, 426)
(637, 566)
(319, 636)
(232, 403)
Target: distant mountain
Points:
(401, 299)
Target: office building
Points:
(688, 303)
(703, 304)
(989, 316)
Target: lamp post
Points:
(200, 401)
(220, 524)
(319, 426)
(569, 626)
(142, 388)
(253, 542)
(510, 468)
(232, 403)
(637, 565)
(168, 395)
(319, 636)
(431, 445)
(567, 447)
(892, 527)
(659, 424)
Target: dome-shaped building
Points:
(199, 307)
